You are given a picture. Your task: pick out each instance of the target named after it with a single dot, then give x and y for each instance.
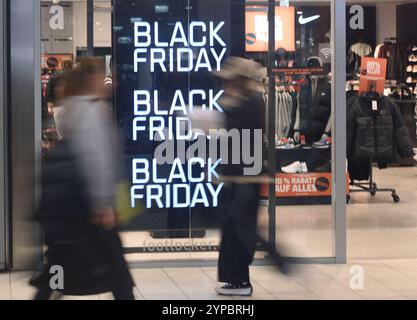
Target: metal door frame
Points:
(3, 137)
(338, 39)
(25, 123)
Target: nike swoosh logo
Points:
(303, 20)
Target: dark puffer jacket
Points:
(315, 109)
(381, 135)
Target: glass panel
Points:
(151, 91)
(303, 110)
(303, 56)
(381, 219)
(219, 222)
(175, 49)
(63, 27)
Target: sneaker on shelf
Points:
(295, 167)
(323, 143)
(290, 143)
(415, 69)
(281, 144)
(304, 168)
(285, 143)
(243, 289)
(410, 68)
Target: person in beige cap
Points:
(244, 108)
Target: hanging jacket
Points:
(380, 135)
(283, 110)
(293, 113)
(406, 103)
(315, 108)
(396, 54)
(354, 57)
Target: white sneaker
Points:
(304, 168)
(290, 143)
(244, 290)
(295, 167)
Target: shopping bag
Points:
(124, 209)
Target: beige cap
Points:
(236, 67)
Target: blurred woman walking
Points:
(79, 179)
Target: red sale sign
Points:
(373, 74)
(303, 185)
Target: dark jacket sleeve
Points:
(350, 125)
(403, 141)
(51, 89)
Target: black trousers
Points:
(93, 263)
(239, 234)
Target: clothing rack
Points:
(395, 40)
(389, 84)
(404, 101)
(371, 187)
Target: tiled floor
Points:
(382, 242)
(377, 227)
(382, 279)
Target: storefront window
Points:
(301, 65)
(160, 58)
(63, 27)
(303, 130)
(161, 61)
(185, 42)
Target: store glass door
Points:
(381, 224)
(172, 63)
(300, 122)
(175, 46)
